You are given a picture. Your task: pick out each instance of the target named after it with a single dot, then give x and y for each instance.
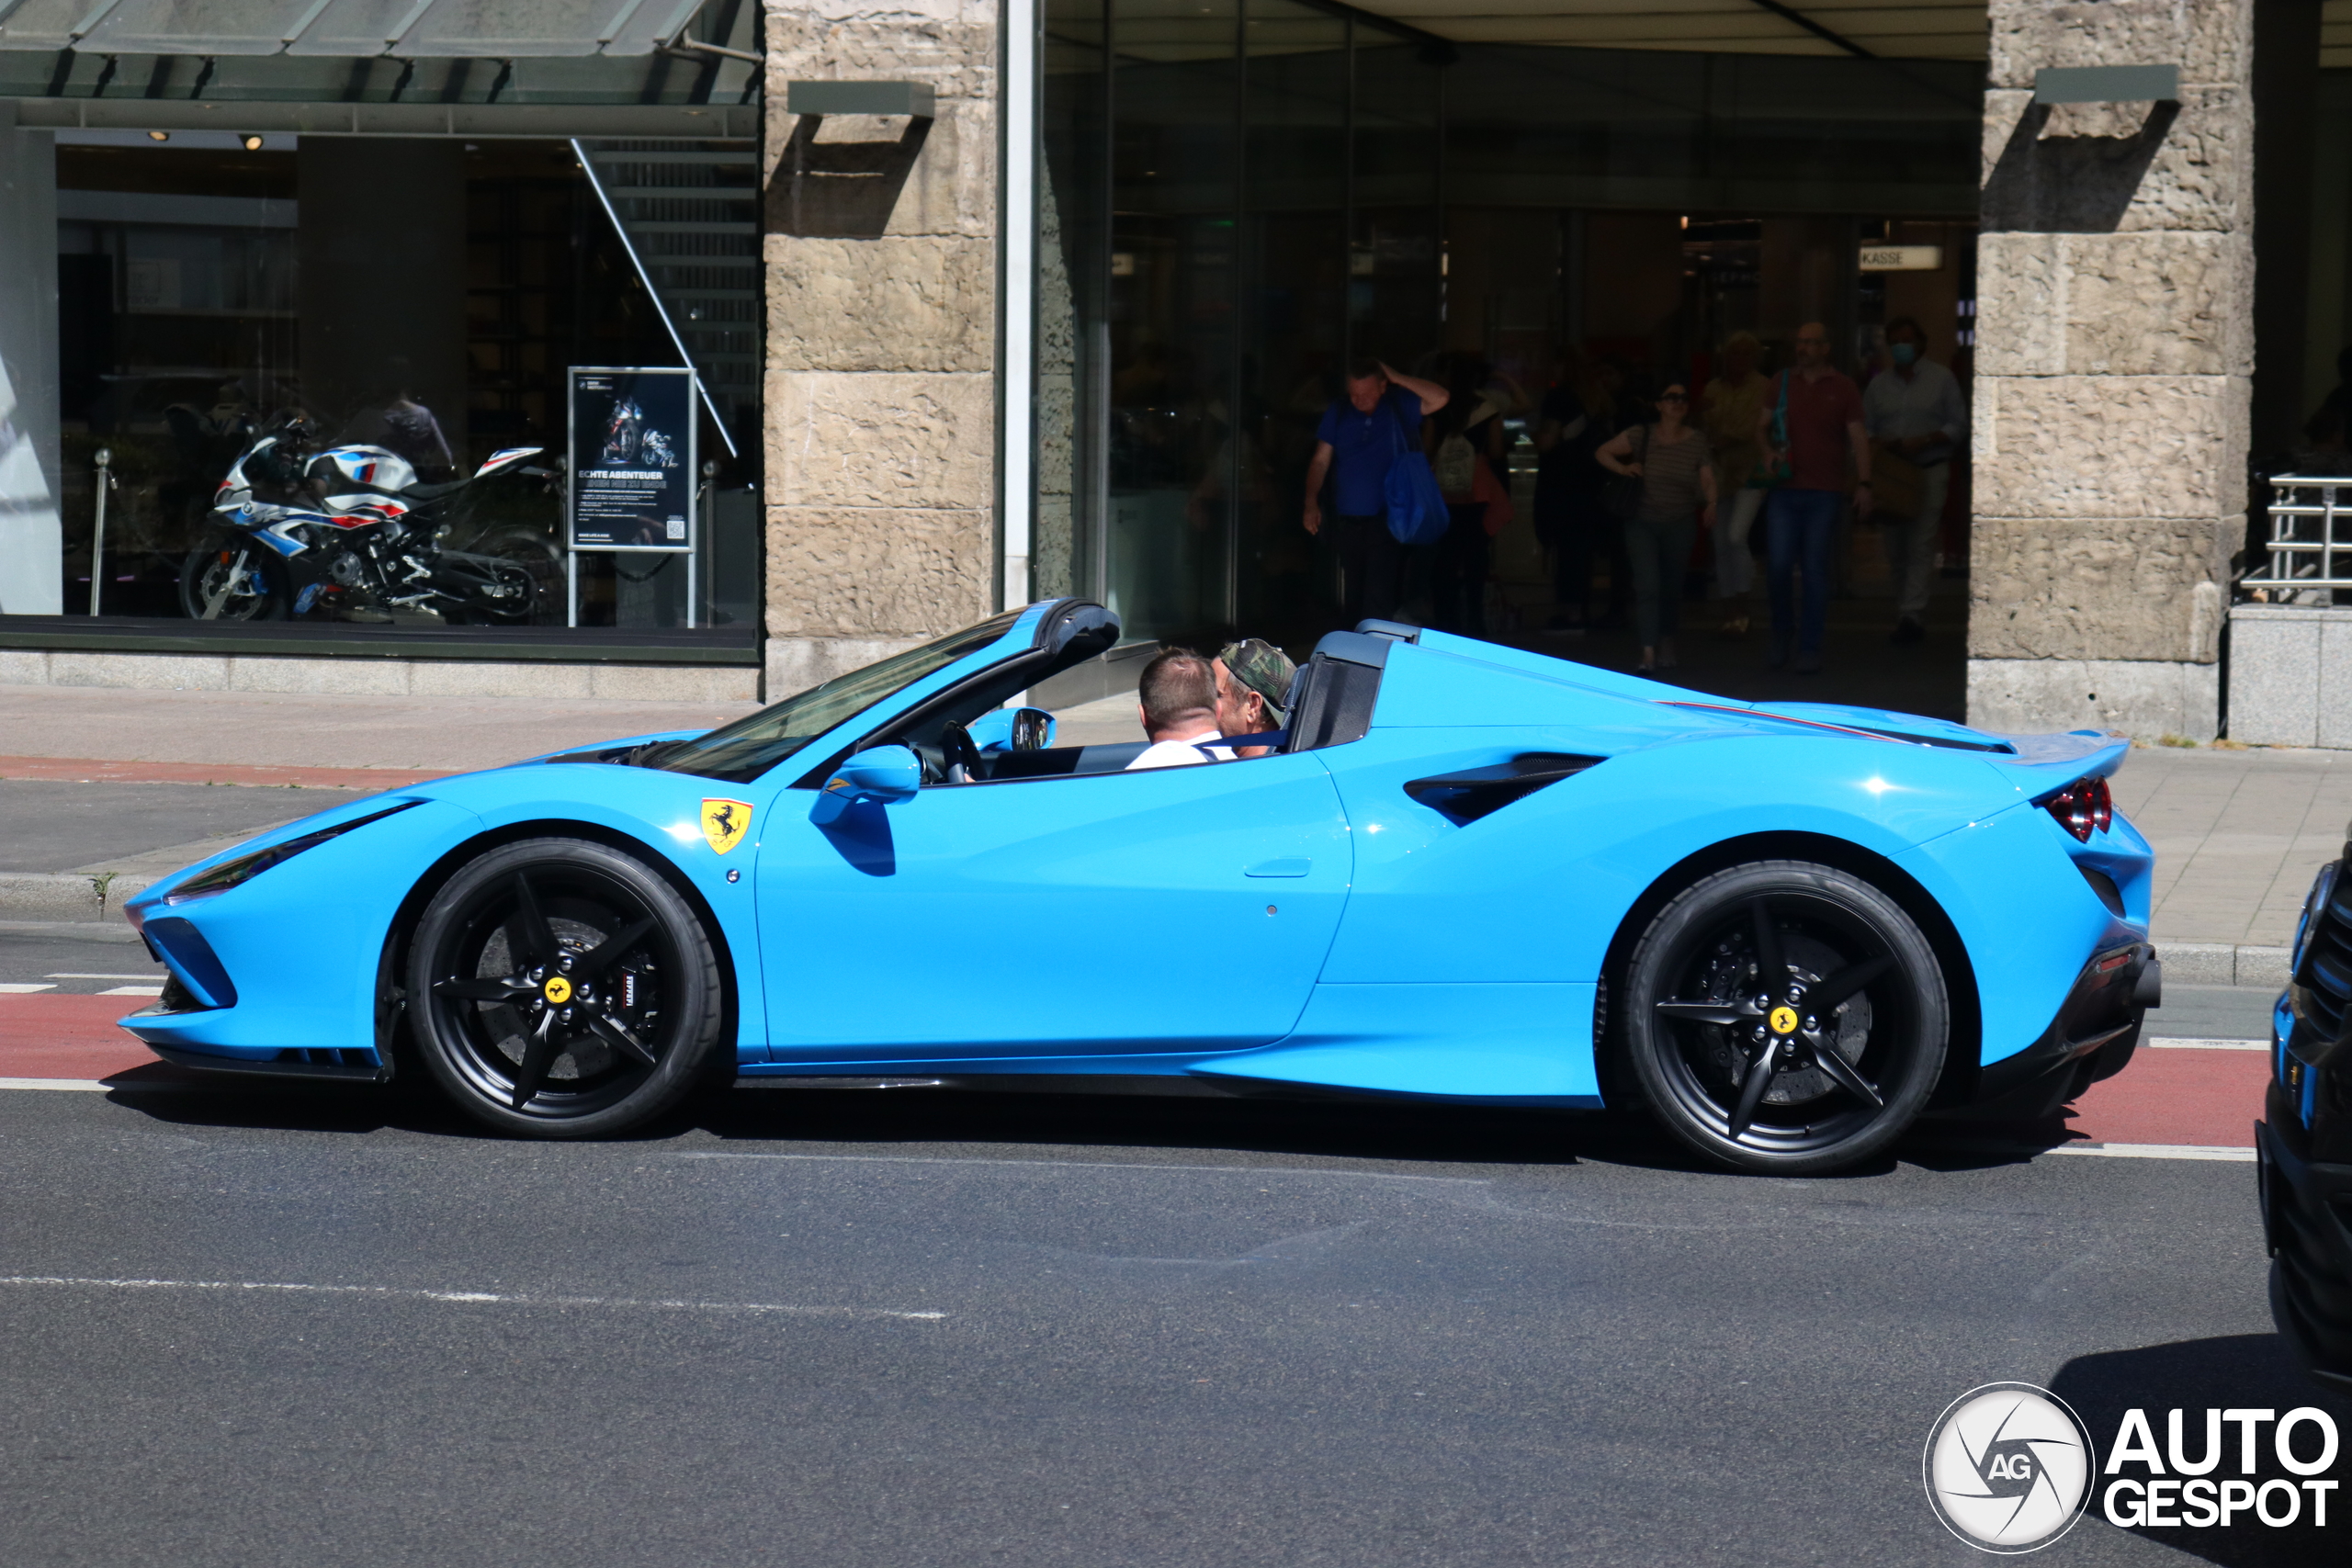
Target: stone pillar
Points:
(880, 254)
(2114, 347)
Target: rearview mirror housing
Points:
(881, 773)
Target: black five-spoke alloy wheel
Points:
(1784, 1018)
(562, 989)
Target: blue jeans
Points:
(1801, 523)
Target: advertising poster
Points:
(632, 458)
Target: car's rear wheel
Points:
(1784, 1018)
(562, 989)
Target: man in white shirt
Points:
(1177, 700)
(1916, 413)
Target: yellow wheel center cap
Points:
(558, 991)
(1782, 1020)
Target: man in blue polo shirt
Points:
(1361, 436)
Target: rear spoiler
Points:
(2051, 763)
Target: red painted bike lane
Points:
(2196, 1096)
(45, 1036)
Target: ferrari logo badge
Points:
(724, 823)
(558, 989)
(1783, 1020)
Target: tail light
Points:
(2083, 808)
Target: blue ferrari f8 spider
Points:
(1464, 873)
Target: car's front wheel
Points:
(562, 989)
(1784, 1018)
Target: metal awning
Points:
(421, 30)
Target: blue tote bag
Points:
(1417, 514)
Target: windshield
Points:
(745, 749)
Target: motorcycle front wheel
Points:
(230, 578)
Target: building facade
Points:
(989, 301)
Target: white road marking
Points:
(1092, 1164)
(2156, 1150)
(151, 974)
(496, 1298)
(2209, 1044)
(55, 1083)
(133, 991)
(15, 989)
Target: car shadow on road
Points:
(1386, 1129)
(1333, 1127)
(2233, 1372)
(1417, 1132)
(1957, 1144)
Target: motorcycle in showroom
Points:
(358, 537)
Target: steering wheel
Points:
(963, 756)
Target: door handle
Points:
(1296, 865)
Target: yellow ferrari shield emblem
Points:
(1783, 1020)
(558, 989)
(724, 823)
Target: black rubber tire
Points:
(1702, 953)
(475, 931)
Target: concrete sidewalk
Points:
(2238, 833)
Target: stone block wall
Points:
(880, 249)
(2290, 667)
(2114, 347)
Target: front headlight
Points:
(245, 867)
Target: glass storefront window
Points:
(1247, 196)
(1170, 309)
(1295, 320)
(321, 339)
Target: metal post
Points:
(563, 525)
(704, 539)
(1017, 368)
(99, 529)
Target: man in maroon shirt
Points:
(1812, 419)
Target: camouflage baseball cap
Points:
(1264, 669)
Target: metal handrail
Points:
(2310, 516)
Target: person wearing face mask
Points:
(1916, 415)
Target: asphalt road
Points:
(54, 826)
(908, 1328)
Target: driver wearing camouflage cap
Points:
(1253, 681)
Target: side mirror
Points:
(1012, 729)
(883, 773)
(505, 457)
(1033, 729)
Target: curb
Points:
(71, 931)
(64, 897)
(2222, 964)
